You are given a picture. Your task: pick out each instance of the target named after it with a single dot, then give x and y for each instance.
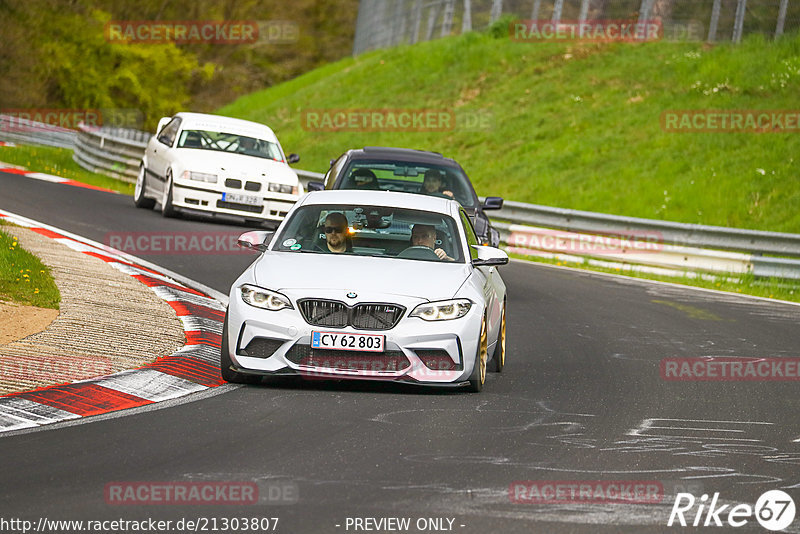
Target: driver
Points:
(247, 145)
(432, 183)
(424, 235)
(336, 239)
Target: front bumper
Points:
(278, 343)
(199, 198)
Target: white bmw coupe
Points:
(219, 166)
(370, 285)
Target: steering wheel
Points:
(419, 252)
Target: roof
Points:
(218, 123)
(383, 198)
(402, 154)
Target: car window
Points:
(167, 135)
(472, 239)
(333, 172)
(370, 231)
(227, 142)
(407, 177)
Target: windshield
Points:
(226, 142)
(409, 177)
(371, 231)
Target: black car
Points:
(411, 171)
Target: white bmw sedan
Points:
(219, 166)
(370, 285)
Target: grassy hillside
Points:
(573, 125)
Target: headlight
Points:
(264, 298)
(443, 310)
(281, 188)
(200, 176)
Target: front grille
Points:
(261, 347)
(375, 316)
(324, 313)
(391, 360)
(252, 186)
(240, 207)
(233, 183)
(332, 313)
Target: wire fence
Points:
(387, 23)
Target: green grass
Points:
(745, 284)
(24, 279)
(573, 125)
(58, 161)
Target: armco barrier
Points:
(685, 247)
(24, 131)
(115, 152)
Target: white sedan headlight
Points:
(282, 188)
(200, 176)
(264, 298)
(442, 310)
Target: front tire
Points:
(498, 360)
(478, 377)
(167, 209)
(139, 198)
(225, 363)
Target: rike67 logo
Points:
(774, 510)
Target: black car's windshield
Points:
(371, 231)
(409, 177)
(227, 142)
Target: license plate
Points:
(236, 198)
(341, 341)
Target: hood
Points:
(286, 271)
(236, 165)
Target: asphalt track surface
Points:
(581, 399)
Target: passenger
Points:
(336, 238)
(365, 179)
(432, 183)
(424, 235)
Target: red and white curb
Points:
(193, 368)
(22, 171)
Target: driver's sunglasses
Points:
(334, 229)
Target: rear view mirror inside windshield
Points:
(406, 171)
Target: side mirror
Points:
(493, 203)
(489, 256)
(293, 158)
(315, 186)
(257, 240)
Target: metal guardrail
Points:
(724, 238)
(24, 131)
(115, 152)
(684, 247)
(663, 247)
